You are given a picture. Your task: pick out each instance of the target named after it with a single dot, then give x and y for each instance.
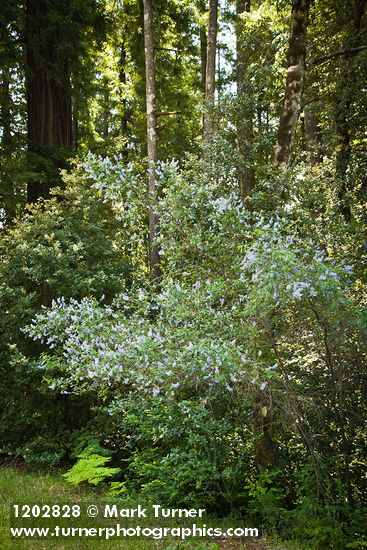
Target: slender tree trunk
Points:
(203, 57)
(294, 84)
(48, 100)
(124, 123)
(245, 130)
(203, 51)
(210, 70)
(152, 138)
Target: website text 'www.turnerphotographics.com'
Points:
(73, 521)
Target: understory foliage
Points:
(196, 335)
(254, 343)
(71, 245)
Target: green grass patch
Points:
(23, 485)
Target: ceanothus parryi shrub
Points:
(195, 333)
(241, 309)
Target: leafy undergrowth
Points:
(19, 484)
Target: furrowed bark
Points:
(49, 106)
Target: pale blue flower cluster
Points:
(284, 268)
(198, 332)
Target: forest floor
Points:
(19, 484)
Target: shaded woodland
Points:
(183, 191)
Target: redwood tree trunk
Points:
(152, 138)
(49, 109)
(245, 130)
(294, 84)
(210, 70)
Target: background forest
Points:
(183, 190)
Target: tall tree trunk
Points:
(48, 99)
(210, 70)
(294, 83)
(203, 46)
(152, 138)
(245, 130)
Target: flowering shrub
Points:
(100, 347)
(253, 315)
(191, 334)
(70, 245)
(286, 268)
